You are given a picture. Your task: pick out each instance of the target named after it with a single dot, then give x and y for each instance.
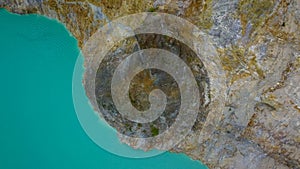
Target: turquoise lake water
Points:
(38, 124)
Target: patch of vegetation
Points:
(200, 13)
(154, 130)
(153, 9)
(254, 11)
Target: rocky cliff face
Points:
(258, 47)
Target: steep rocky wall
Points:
(258, 46)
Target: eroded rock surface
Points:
(258, 47)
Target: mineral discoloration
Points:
(258, 48)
